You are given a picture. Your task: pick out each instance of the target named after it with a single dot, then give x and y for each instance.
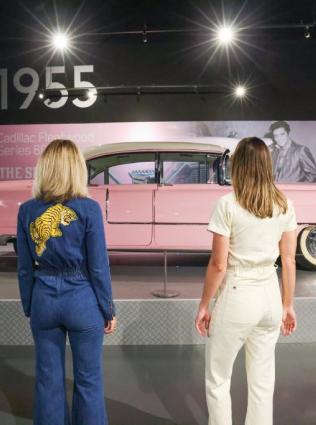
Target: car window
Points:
(212, 168)
(97, 179)
(134, 168)
(188, 168)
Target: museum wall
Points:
(279, 69)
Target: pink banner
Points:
(20, 145)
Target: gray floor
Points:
(161, 385)
(164, 385)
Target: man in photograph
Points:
(292, 162)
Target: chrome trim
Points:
(177, 224)
(180, 224)
(107, 201)
(129, 222)
(155, 222)
(161, 250)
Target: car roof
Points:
(129, 147)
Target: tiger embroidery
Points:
(47, 225)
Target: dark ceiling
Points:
(272, 56)
(24, 18)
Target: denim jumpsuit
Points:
(65, 287)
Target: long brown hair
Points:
(252, 179)
(60, 173)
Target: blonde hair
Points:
(60, 173)
(252, 179)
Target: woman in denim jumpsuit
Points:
(65, 286)
(251, 226)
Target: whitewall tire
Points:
(306, 247)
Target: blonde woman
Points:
(69, 292)
(251, 226)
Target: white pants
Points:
(248, 311)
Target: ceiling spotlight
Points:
(145, 39)
(41, 94)
(225, 35)
(307, 34)
(91, 94)
(60, 41)
(240, 91)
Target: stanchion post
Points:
(165, 293)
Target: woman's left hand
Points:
(202, 321)
(110, 326)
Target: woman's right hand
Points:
(289, 323)
(110, 326)
(203, 320)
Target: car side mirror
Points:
(223, 169)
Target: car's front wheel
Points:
(306, 248)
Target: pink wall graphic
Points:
(20, 145)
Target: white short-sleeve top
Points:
(253, 241)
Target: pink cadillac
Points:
(159, 196)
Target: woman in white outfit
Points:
(251, 227)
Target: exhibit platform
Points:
(143, 318)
